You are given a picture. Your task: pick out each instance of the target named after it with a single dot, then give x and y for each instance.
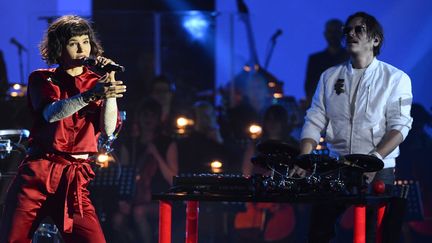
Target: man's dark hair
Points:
(280, 114)
(59, 33)
(373, 28)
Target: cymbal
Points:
(271, 160)
(6, 133)
(367, 163)
(323, 163)
(277, 147)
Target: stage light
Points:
(216, 166)
(103, 160)
(17, 90)
(255, 131)
(271, 84)
(277, 95)
(182, 125)
(196, 24)
(181, 122)
(181, 131)
(246, 68)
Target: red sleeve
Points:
(42, 90)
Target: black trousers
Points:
(325, 215)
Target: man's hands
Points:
(297, 171)
(307, 145)
(371, 175)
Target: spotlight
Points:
(277, 95)
(17, 90)
(271, 84)
(196, 24)
(182, 124)
(246, 68)
(255, 131)
(103, 160)
(216, 166)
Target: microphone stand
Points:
(272, 43)
(21, 67)
(21, 48)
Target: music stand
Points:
(117, 179)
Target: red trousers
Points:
(53, 186)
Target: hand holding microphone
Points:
(103, 64)
(107, 86)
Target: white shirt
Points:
(381, 102)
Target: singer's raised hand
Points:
(114, 89)
(107, 87)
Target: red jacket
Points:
(75, 134)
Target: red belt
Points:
(78, 173)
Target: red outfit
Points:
(74, 134)
(50, 182)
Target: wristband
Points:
(376, 154)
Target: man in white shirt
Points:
(363, 107)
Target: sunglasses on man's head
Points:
(358, 29)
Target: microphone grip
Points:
(91, 62)
(112, 67)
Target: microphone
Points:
(91, 62)
(276, 34)
(18, 44)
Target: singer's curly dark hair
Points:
(373, 28)
(59, 33)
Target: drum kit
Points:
(12, 140)
(325, 174)
(13, 145)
